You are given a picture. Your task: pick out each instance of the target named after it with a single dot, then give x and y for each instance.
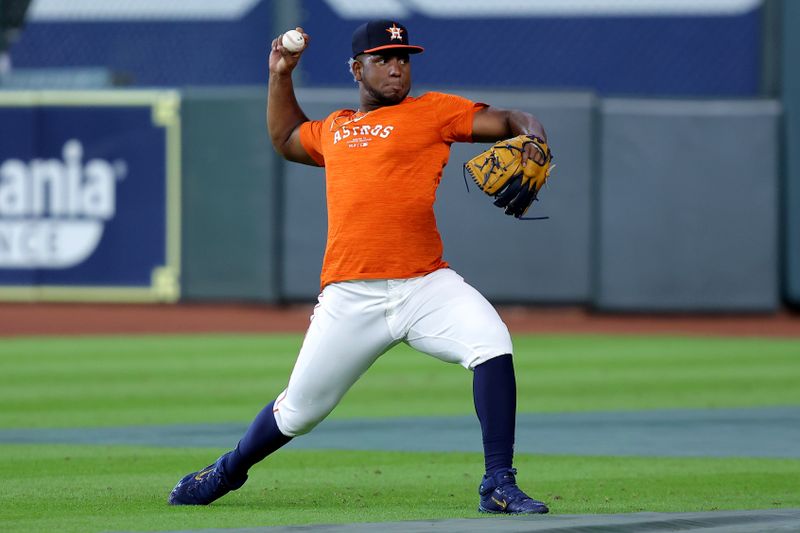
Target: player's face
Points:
(386, 77)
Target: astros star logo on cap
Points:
(395, 32)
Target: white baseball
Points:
(293, 41)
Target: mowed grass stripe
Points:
(114, 381)
(97, 488)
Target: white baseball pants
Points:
(355, 322)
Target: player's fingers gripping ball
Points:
(293, 41)
(499, 172)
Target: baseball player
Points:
(383, 278)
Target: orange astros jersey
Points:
(382, 169)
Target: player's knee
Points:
(488, 357)
(496, 359)
(301, 426)
(293, 423)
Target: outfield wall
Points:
(790, 80)
(686, 220)
(689, 49)
(653, 206)
(230, 198)
(479, 241)
(90, 195)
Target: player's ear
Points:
(358, 68)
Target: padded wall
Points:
(688, 206)
(790, 77)
(508, 260)
(230, 197)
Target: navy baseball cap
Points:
(380, 35)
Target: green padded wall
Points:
(686, 223)
(508, 260)
(791, 163)
(230, 191)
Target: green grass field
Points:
(119, 381)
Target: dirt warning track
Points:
(21, 319)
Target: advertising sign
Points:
(89, 196)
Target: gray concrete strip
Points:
(783, 520)
(764, 432)
(759, 432)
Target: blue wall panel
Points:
(665, 54)
(659, 55)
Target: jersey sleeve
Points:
(311, 139)
(456, 114)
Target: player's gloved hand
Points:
(509, 173)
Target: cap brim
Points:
(410, 48)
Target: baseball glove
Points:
(499, 173)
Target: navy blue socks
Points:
(261, 439)
(495, 393)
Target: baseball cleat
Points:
(501, 495)
(204, 486)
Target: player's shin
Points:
(495, 395)
(261, 439)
